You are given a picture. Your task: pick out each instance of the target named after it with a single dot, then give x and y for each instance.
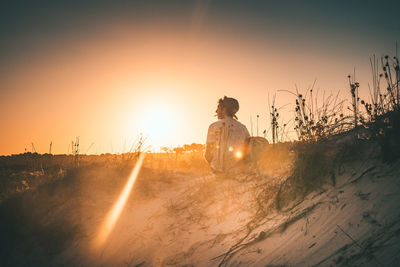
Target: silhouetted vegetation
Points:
(319, 127)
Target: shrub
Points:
(313, 163)
(381, 116)
(314, 121)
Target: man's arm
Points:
(246, 145)
(209, 152)
(210, 145)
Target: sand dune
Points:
(187, 219)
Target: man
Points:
(226, 138)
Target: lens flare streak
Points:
(115, 212)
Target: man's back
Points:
(229, 137)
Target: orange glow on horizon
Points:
(115, 212)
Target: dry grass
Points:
(381, 115)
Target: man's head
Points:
(227, 106)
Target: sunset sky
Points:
(109, 70)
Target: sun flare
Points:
(115, 212)
(159, 123)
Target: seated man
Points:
(226, 138)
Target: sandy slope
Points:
(178, 219)
(355, 223)
(193, 221)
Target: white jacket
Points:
(229, 136)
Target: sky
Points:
(107, 71)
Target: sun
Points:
(159, 123)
